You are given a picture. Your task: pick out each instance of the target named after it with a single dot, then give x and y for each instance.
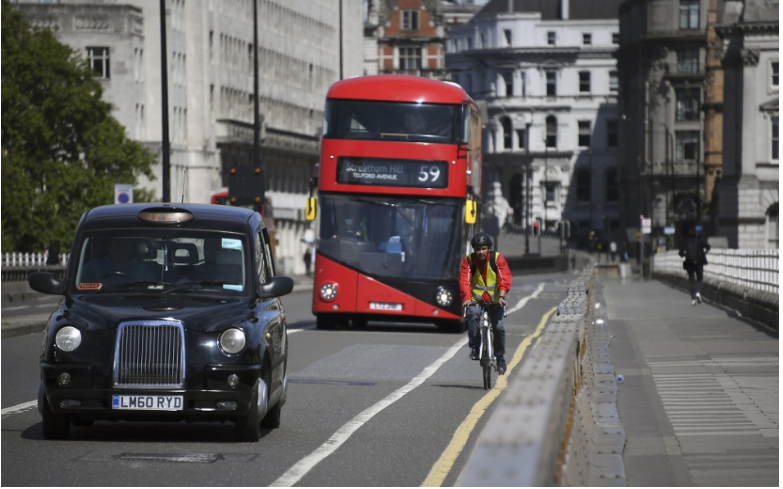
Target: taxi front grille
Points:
(150, 355)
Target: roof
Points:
(551, 10)
(206, 216)
(398, 88)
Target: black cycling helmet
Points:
(481, 239)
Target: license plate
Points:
(156, 402)
(386, 306)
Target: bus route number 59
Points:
(429, 171)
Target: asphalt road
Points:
(366, 407)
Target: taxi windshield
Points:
(154, 260)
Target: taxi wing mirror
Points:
(470, 212)
(312, 209)
(46, 283)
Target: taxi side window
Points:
(263, 260)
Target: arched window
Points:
(507, 132)
(612, 189)
(551, 132)
(583, 185)
(773, 228)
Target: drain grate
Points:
(197, 458)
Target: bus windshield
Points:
(392, 121)
(392, 237)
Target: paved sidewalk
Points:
(699, 400)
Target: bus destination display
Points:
(392, 173)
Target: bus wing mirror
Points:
(470, 212)
(312, 209)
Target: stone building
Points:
(546, 74)
(748, 193)
(303, 47)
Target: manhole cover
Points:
(198, 458)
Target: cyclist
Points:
(485, 277)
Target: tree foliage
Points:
(62, 151)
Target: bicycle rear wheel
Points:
(486, 357)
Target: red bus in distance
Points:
(220, 198)
(398, 186)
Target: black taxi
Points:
(170, 312)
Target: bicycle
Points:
(486, 350)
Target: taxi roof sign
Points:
(165, 216)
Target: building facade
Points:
(303, 47)
(748, 193)
(662, 71)
(405, 37)
(546, 74)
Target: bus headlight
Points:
(232, 340)
(328, 291)
(68, 339)
(443, 297)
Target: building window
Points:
(773, 228)
(775, 74)
(611, 134)
(551, 84)
(551, 38)
(613, 83)
(689, 14)
(584, 133)
(507, 34)
(521, 138)
(612, 187)
(410, 20)
(687, 145)
(584, 82)
(507, 132)
(615, 38)
(522, 91)
(688, 100)
(469, 43)
(551, 191)
(587, 39)
(483, 40)
(551, 132)
(688, 61)
(410, 58)
(775, 138)
(583, 185)
(98, 59)
(508, 80)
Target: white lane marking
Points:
(524, 300)
(301, 468)
(25, 406)
(16, 308)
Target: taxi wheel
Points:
(248, 427)
(55, 426)
(272, 418)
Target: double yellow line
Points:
(445, 463)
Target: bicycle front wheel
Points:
(487, 376)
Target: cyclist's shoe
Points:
(693, 302)
(501, 366)
(698, 297)
(474, 354)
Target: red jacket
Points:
(504, 276)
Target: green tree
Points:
(62, 151)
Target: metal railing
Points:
(752, 269)
(31, 259)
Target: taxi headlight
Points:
(68, 339)
(328, 291)
(443, 297)
(232, 340)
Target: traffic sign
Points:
(123, 193)
(646, 225)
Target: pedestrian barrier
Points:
(557, 423)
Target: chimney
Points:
(564, 9)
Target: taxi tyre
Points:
(55, 426)
(248, 427)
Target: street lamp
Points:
(528, 125)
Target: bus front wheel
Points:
(325, 322)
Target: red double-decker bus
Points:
(399, 181)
